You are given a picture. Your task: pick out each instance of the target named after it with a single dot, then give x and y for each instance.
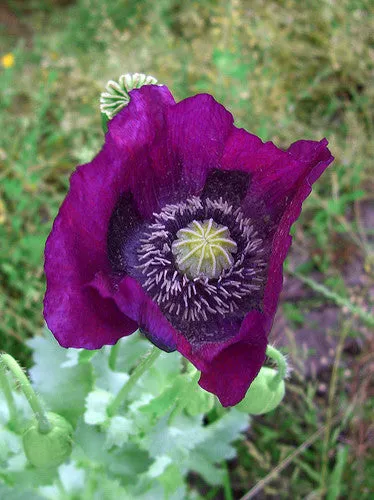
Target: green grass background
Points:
(286, 70)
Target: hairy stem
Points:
(36, 406)
(281, 362)
(142, 367)
(5, 385)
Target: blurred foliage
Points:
(286, 69)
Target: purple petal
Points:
(131, 299)
(246, 152)
(231, 372)
(311, 159)
(75, 251)
(198, 128)
(138, 134)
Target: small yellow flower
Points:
(7, 60)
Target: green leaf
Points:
(105, 378)
(160, 376)
(161, 404)
(130, 350)
(172, 480)
(63, 388)
(72, 477)
(125, 462)
(159, 466)
(199, 401)
(219, 436)
(176, 440)
(8, 493)
(118, 431)
(335, 484)
(97, 403)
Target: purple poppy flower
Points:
(180, 227)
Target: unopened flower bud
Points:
(265, 393)
(49, 449)
(116, 95)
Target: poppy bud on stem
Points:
(278, 357)
(47, 441)
(5, 385)
(9, 362)
(117, 96)
(268, 388)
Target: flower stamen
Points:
(200, 260)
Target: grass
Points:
(287, 70)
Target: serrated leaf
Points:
(97, 403)
(172, 480)
(125, 462)
(175, 440)
(217, 445)
(161, 375)
(73, 356)
(63, 389)
(161, 404)
(110, 489)
(8, 493)
(105, 378)
(72, 477)
(159, 465)
(130, 350)
(118, 431)
(10, 444)
(211, 473)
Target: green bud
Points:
(199, 401)
(265, 393)
(116, 95)
(49, 449)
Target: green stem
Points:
(36, 406)
(143, 366)
(4, 383)
(182, 400)
(281, 362)
(227, 483)
(331, 407)
(113, 356)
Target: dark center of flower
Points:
(202, 260)
(203, 248)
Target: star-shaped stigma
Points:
(203, 247)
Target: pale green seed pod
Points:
(265, 393)
(46, 450)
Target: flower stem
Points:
(4, 383)
(227, 483)
(281, 362)
(113, 356)
(143, 366)
(182, 400)
(36, 406)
